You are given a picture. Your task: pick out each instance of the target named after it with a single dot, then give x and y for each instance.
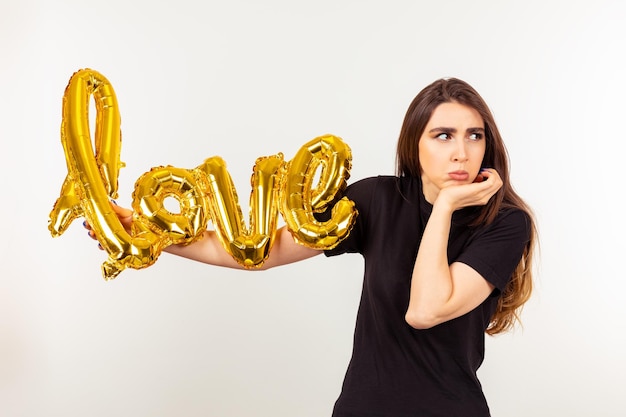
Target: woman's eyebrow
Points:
(442, 129)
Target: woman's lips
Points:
(459, 175)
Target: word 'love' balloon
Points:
(205, 193)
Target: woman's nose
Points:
(460, 154)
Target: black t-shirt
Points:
(398, 371)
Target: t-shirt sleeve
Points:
(495, 250)
(361, 193)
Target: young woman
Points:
(448, 248)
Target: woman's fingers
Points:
(494, 177)
(478, 193)
(492, 182)
(125, 215)
(90, 232)
(479, 178)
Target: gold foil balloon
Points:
(248, 246)
(92, 179)
(331, 158)
(186, 186)
(205, 193)
(84, 168)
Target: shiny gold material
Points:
(92, 179)
(205, 193)
(186, 186)
(331, 158)
(248, 246)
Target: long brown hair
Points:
(519, 288)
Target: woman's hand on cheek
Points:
(478, 193)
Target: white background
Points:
(242, 79)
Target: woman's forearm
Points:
(209, 250)
(431, 283)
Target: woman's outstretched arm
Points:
(209, 249)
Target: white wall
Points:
(246, 78)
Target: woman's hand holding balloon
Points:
(126, 218)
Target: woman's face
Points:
(452, 148)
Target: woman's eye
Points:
(443, 136)
(475, 136)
